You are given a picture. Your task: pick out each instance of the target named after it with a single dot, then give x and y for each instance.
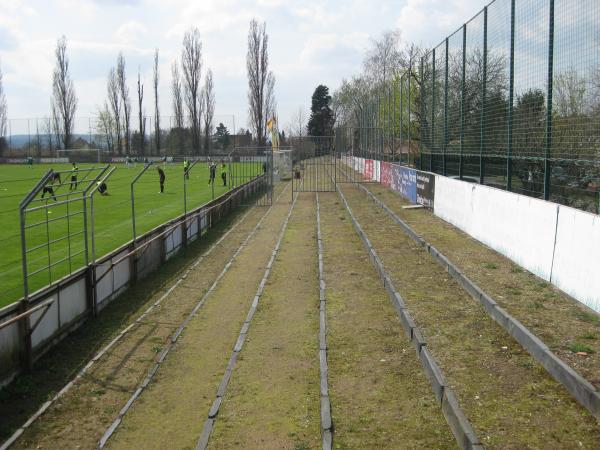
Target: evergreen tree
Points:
(321, 117)
(222, 134)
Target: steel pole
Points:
(547, 165)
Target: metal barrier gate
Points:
(248, 163)
(320, 162)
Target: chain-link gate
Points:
(313, 164)
(248, 164)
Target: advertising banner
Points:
(425, 189)
(396, 179)
(376, 170)
(368, 170)
(386, 174)
(408, 184)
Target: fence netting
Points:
(512, 100)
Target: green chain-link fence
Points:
(512, 100)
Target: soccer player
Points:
(30, 162)
(213, 173)
(73, 184)
(224, 173)
(161, 177)
(55, 176)
(102, 188)
(186, 167)
(48, 190)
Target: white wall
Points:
(576, 268)
(557, 243)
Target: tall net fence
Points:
(512, 100)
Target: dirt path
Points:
(272, 401)
(170, 413)
(380, 397)
(80, 417)
(510, 399)
(564, 324)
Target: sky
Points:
(310, 43)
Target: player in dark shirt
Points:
(48, 190)
(213, 173)
(56, 176)
(102, 188)
(161, 175)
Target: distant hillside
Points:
(22, 140)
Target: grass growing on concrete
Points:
(510, 399)
(103, 392)
(380, 396)
(170, 413)
(273, 397)
(550, 314)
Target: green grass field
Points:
(113, 225)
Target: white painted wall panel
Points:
(121, 271)
(377, 171)
(73, 301)
(47, 326)
(576, 267)
(192, 229)
(521, 228)
(104, 283)
(9, 348)
(173, 242)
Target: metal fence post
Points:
(445, 145)
(93, 235)
(462, 104)
(137, 177)
(483, 98)
(432, 111)
(409, 99)
(422, 128)
(511, 87)
(547, 165)
(401, 113)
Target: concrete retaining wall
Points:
(557, 243)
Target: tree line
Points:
(192, 88)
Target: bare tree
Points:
(209, 107)
(48, 132)
(270, 102)
(106, 126)
(140, 91)
(177, 101)
(298, 123)
(156, 107)
(384, 58)
(126, 103)
(261, 82)
(64, 99)
(56, 129)
(114, 101)
(3, 116)
(191, 60)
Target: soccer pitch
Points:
(113, 225)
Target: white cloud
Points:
(131, 32)
(310, 42)
(429, 21)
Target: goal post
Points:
(81, 154)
